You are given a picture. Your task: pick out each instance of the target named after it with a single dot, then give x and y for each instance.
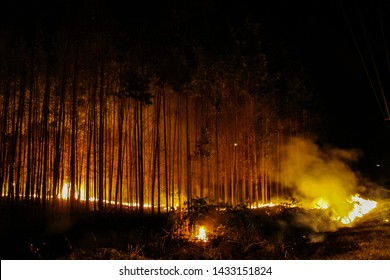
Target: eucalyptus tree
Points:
(136, 86)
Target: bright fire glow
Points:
(321, 204)
(202, 236)
(65, 191)
(360, 207)
(262, 205)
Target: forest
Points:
(113, 107)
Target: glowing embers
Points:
(201, 234)
(353, 208)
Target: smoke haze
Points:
(320, 173)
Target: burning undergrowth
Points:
(311, 224)
(282, 231)
(325, 183)
(209, 231)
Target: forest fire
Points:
(262, 205)
(121, 131)
(323, 178)
(202, 236)
(65, 192)
(361, 207)
(345, 211)
(354, 207)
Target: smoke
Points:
(317, 175)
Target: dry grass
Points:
(265, 236)
(236, 235)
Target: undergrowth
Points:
(233, 232)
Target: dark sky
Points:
(318, 34)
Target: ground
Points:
(368, 239)
(238, 234)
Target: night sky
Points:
(318, 34)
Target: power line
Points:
(383, 35)
(374, 64)
(362, 59)
(387, 54)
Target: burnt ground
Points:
(263, 234)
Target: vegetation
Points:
(233, 232)
(145, 108)
(124, 130)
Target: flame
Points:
(359, 205)
(321, 204)
(202, 236)
(262, 205)
(65, 191)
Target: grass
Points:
(235, 233)
(368, 239)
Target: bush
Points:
(197, 210)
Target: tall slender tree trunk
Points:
(58, 148)
(141, 159)
(101, 138)
(165, 154)
(4, 137)
(119, 177)
(28, 194)
(45, 133)
(217, 187)
(13, 188)
(73, 134)
(88, 163)
(189, 187)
